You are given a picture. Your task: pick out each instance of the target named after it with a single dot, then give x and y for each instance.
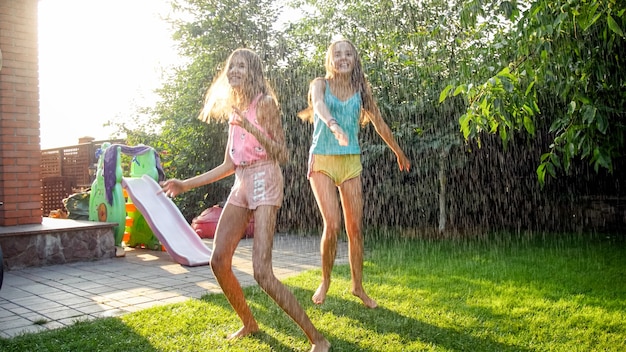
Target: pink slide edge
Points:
(150, 194)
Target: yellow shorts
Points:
(340, 168)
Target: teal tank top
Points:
(347, 114)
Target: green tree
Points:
(409, 61)
(442, 71)
(570, 53)
(207, 31)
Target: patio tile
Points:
(60, 295)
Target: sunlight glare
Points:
(98, 60)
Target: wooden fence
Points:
(67, 170)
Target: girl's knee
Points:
(332, 227)
(264, 277)
(354, 232)
(219, 263)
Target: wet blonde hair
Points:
(357, 80)
(221, 97)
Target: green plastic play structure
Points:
(107, 202)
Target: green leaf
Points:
(506, 84)
(464, 121)
(529, 125)
(528, 110)
(551, 170)
(485, 107)
(541, 173)
(584, 99)
(587, 20)
(584, 146)
(614, 26)
(554, 161)
(588, 113)
(503, 135)
(571, 107)
(570, 150)
(529, 88)
(602, 123)
(601, 158)
(459, 89)
(444, 93)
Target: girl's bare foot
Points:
(320, 294)
(244, 331)
(321, 346)
(369, 303)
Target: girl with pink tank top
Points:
(245, 149)
(255, 148)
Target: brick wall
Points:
(20, 156)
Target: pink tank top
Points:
(244, 147)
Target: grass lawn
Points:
(499, 294)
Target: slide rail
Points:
(167, 222)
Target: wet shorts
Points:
(260, 183)
(340, 168)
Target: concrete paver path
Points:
(49, 297)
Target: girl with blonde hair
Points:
(339, 104)
(256, 146)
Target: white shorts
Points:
(260, 183)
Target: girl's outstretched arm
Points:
(174, 187)
(384, 132)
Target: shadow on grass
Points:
(279, 321)
(267, 314)
(271, 341)
(110, 334)
(460, 281)
(384, 321)
(350, 326)
(275, 324)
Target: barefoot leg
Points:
(264, 225)
(352, 202)
(229, 231)
(243, 331)
(322, 346)
(325, 193)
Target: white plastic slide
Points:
(167, 222)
